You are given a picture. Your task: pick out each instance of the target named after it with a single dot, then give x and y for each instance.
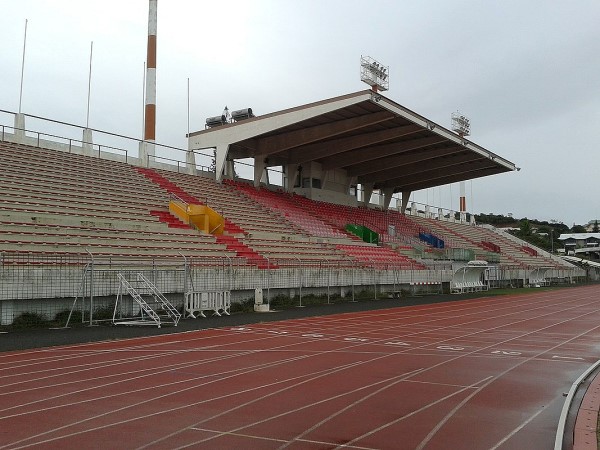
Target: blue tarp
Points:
(432, 240)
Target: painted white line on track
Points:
(516, 430)
(453, 411)
(494, 318)
(428, 438)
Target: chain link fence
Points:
(51, 284)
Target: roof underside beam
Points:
(415, 183)
(417, 167)
(450, 179)
(368, 153)
(284, 141)
(402, 159)
(328, 149)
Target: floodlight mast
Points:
(374, 74)
(461, 125)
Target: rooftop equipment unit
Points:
(242, 114)
(216, 121)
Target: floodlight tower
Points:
(461, 125)
(374, 74)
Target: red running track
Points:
(475, 374)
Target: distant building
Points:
(581, 244)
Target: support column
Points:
(351, 181)
(190, 162)
(221, 156)
(265, 175)
(87, 142)
(20, 128)
(146, 151)
(387, 198)
(405, 198)
(229, 172)
(291, 177)
(259, 168)
(367, 191)
(324, 176)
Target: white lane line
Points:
(453, 411)
(167, 368)
(439, 364)
(516, 430)
(449, 415)
(103, 364)
(497, 317)
(416, 411)
(507, 370)
(392, 381)
(349, 406)
(576, 358)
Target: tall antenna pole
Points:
(87, 119)
(150, 116)
(188, 106)
(462, 126)
(23, 67)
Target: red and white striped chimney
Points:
(150, 113)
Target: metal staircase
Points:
(155, 309)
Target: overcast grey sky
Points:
(526, 72)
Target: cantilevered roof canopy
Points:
(372, 137)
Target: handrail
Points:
(70, 140)
(182, 162)
(87, 128)
(562, 421)
(108, 133)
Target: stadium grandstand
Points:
(87, 225)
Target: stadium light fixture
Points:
(461, 124)
(374, 74)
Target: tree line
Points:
(541, 233)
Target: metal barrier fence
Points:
(49, 284)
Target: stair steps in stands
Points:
(169, 219)
(231, 229)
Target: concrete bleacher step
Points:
(62, 221)
(77, 201)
